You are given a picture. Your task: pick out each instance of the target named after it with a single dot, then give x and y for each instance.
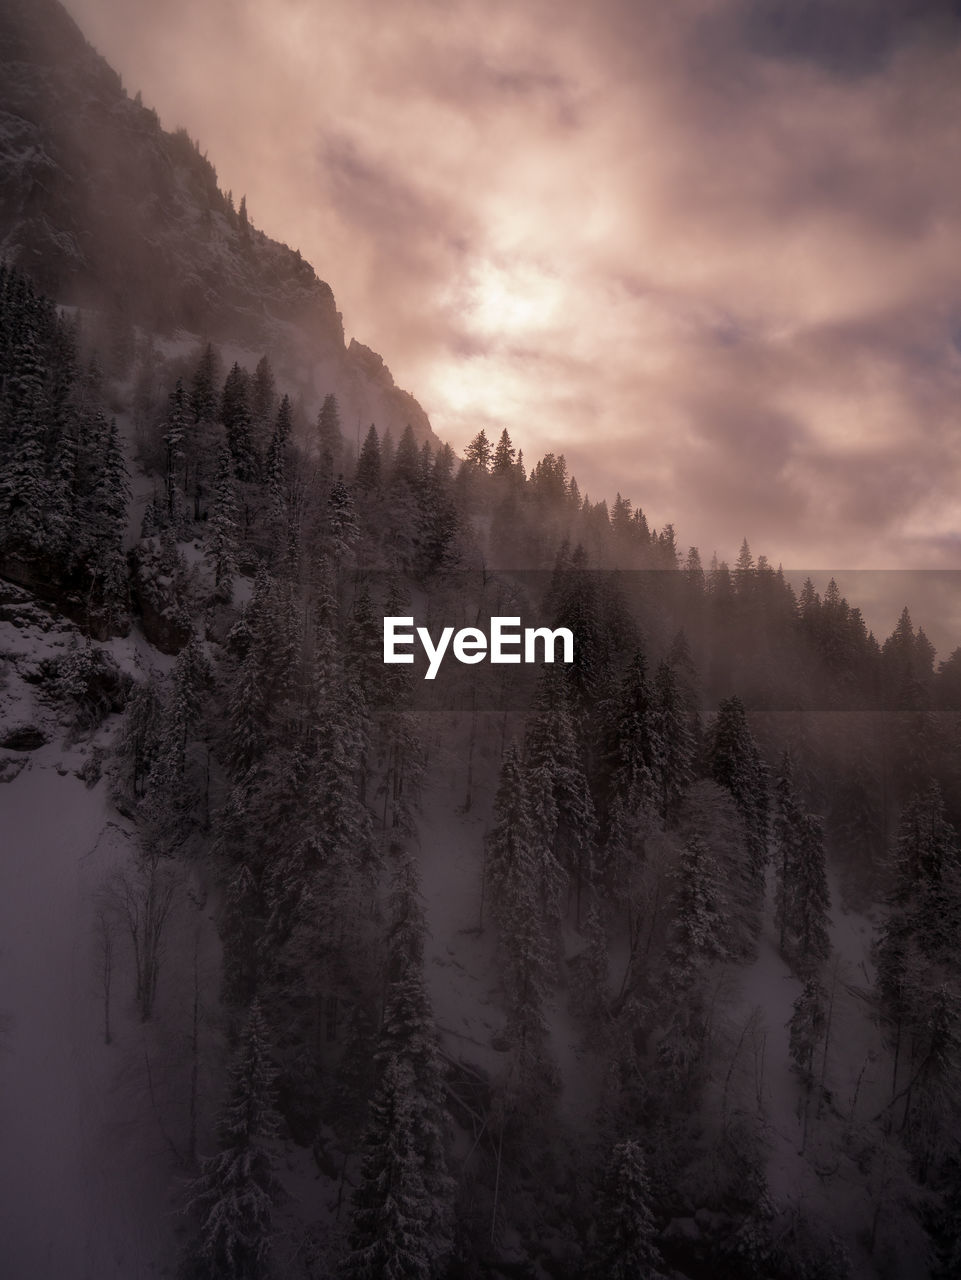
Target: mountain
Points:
(638, 961)
(105, 209)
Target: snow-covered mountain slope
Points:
(82, 1160)
(104, 208)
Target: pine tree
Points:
(401, 749)
(810, 899)
(673, 740)
(521, 896)
(735, 763)
(562, 810)
(242, 935)
(478, 453)
(341, 522)
(284, 423)
(339, 842)
(510, 842)
(787, 823)
(408, 1036)
(390, 1236)
(174, 439)
(223, 526)
(590, 994)
(925, 894)
(624, 1246)
(263, 396)
(698, 929)
(140, 736)
(277, 515)
(505, 456)
(634, 750)
(236, 416)
(104, 523)
(203, 387)
(236, 1190)
(917, 944)
(24, 490)
(406, 463)
(697, 939)
(807, 1026)
(367, 477)
(330, 441)
(249, 715)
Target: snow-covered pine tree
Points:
(624, 1245)
(924, 897)
(786, 831)
(24, 489)
(235, 414)
(140, 738)
(401, 751)
(807, 1025)
(335, 863)
(510, 843)
(263, 400)
(368, 475)
(696, 939)
(190, 686)
(505, 456)
(277, 516)
(810, 899)
(673, 740)
(241, 934)
(223, 524)
(341, 523)
(561, 807)
(515, 873)
(234, 1195)
(203, 387)
(103, 525)
(408, 1035)
(330, 441)
(390, 1236)
(174, 442)
(698, 909)
(478, 452)
(590, 994)
(633, 749)
(735, 762)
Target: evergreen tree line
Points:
(63, 479)
(642, 802)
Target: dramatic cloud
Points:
(710, 250)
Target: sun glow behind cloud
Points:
(513, 301)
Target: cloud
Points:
(708, 250)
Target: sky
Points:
(709, 250)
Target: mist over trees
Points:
(678, 809)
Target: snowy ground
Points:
(83, 1169)
(78, 1164)
(813, 1163)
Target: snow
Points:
(78, 1184)
(461, 971)
(83, 1169)
(814, 1173)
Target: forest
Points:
(728, 774)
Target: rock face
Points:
(105, 209)
(25, 737)
(47, 581)
(157, 600)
